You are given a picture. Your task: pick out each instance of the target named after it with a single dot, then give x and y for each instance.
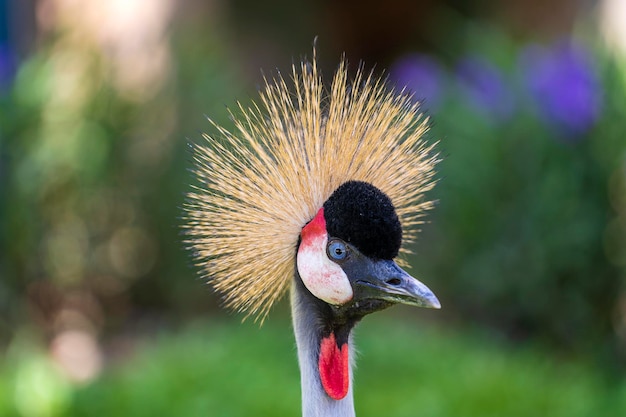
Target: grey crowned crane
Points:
(314, 191)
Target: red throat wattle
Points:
(333, 367)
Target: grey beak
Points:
(385, 280)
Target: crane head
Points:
(345, 257)
(265, 187)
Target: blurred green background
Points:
(102, 312)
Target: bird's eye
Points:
(337, 250)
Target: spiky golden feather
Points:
(262, 183)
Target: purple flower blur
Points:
(485, 89)
(564, 86)
(422, 76)
(7, 65)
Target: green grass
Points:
(230, 369)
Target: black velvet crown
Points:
(364, 216)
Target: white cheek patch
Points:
(323, 277)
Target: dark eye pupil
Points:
(338, 251)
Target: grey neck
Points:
(308, 325)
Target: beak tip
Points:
(433, 302)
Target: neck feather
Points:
(311, 322)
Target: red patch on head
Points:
(315, 228)
(334, 367)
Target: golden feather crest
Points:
(261, 183)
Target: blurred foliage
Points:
(93, 171)
(213, 369)
(529, 231)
